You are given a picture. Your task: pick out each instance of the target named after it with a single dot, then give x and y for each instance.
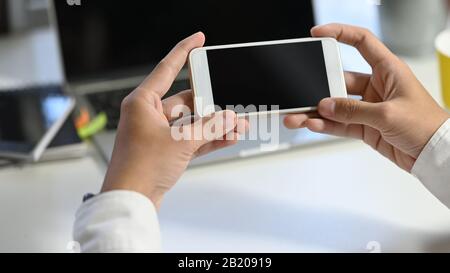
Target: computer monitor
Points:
(105, 38)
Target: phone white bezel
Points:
(201, 82)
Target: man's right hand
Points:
(396, 116)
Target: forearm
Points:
(118, 221)
(433, 165)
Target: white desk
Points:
(38, 203)
(337, 197)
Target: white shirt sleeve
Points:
(433, 165)
(117, 221)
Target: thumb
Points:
(214, 128)
(350, 111)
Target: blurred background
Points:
(407, 26)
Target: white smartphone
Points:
(292, 76)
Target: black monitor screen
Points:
(105, 37)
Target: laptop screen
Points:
(107, 38)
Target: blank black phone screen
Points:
(289, 76)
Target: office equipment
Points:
(294, 75)
(3, 17)
(409, 27)
(24, 15)
(65, 145)
(108, 47)
(31, 117)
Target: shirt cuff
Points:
(118, 221)
(432, 167)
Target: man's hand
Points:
(396, 116)
(147, 158)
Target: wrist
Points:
(440, 119)
(123, 179)
(154, 195)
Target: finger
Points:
(357, 131)
(370, 47)
(231, 139)
(296, 121)
(175, 106)
(356, 83)
(350, 111)
(242, 126)
(214, 128)
(335, 128)
(161, 79)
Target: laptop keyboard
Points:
(110, 101)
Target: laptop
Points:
(107, 48)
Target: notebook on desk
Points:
(108, 47)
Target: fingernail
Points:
(194, 34)
(327, 107)
(313, 30)
(198, 33)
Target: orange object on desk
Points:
(83, 119)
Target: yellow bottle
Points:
(443, 51)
